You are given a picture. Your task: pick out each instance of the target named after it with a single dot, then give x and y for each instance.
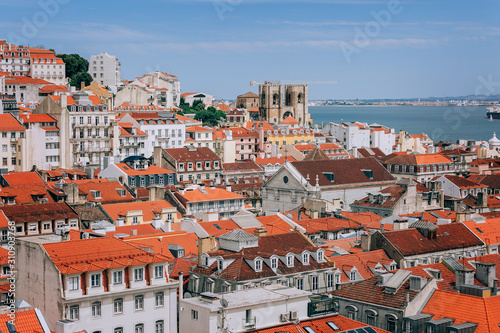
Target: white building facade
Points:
(119, 289)
(106, 70)
(254, 308)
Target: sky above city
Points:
(374, 49)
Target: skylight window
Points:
(308, 329)
(332, 325)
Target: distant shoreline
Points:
(396, 105)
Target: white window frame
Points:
(73, 283)
(139, 303)
(117, 277)
(96, 309)
(74, 312)
(159, 299)
(159, 272)
(95, 280)
(118, 305)
(138, 274)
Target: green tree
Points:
(76, 65)
(77, 78)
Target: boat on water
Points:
(493, 112)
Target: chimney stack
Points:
(260, 232)
(464, 276)
(486, 273)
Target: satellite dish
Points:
(187, 295)
(224, 303)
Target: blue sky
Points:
(421, 48)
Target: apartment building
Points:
(189, 163)
(162, 129)
(97, 285)
(42, 141)
(13, 141)
(199, 199)
(46, 66)
(105, 69)
(86, 128)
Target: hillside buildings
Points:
(37, 63)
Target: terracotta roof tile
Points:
(148, 208)
(25, 322)
(465, 308)
(319, 325)
(212, 194)
(97, 254)
(151, 170)
(107, 189)
(448, 236)
(185, 155)
(240, 270)
(401, 158)
(274, 160)
(364, 262)
(368, 291)
(9, 123)
(38, 212)
(346, 171)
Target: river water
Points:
(441, 123)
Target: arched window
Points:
(275, 99)
(159, 326)
(390, 322)
(139, 328)
(371, 317)
(351, 312)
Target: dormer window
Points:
(274, 263)
(392, 267)
(321, 256)
(289, 260)
(352, 276)
(95, 280)
(258, 265)
(138, 274)
(74, 283)
(96, 194)
(205, 260)
(159, 272)
(305, 258)
(220, 264)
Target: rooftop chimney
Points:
(228, 187)
(260, 232)
(63, 101)
(464, 276)
(486, 273)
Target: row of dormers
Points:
(89, 283)
(272, 262)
